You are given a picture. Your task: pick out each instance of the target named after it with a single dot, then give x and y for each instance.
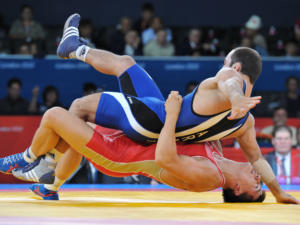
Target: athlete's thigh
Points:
(137, 82)
(87, 106)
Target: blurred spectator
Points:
(86, 31)
(25, 28)
(160, 46)
(14, 104)
(298, 138)
(280, 158)
(296, 35)
(133, 44)
(3, 37)
(147, 12)
(252, 27)
(117, 43)
(291, 49)
(89, 88)
(280, 117)
(192, 44)
(191, 86)
(156, 24)
(247, 42)
(50, 98)
(291, 99)
(24, 49)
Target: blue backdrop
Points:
(169, 74)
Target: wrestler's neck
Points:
(249, 86)
(229, 170)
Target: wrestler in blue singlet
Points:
(138, 110)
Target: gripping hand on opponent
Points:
(240, 105)
(173, 104)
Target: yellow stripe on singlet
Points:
(147, 166)
(204, 125)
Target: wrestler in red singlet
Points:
(112, 153)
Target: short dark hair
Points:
(250, 60)
(278, 108)
(229, 196)
(25, 6)
(280, 128)
(13, 80)
(48, 89)
(148, 7)
(89, 86)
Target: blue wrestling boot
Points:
(40, 171)
(40, 190)
(70, 40)
(8, 163)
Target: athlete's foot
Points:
(8, 163)
(40, 171)
(70, 40)
(40, 190)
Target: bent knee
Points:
(53, 114)
(125, 63)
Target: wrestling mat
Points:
(139, 204)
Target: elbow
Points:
(162, 162)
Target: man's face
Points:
(26, 14)
(162, 37)
(292, 85)
(282, 142)
(249, 181)
(280, 117)
(14, 91)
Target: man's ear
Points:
(237, 66)
(237, 189)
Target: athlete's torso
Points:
(116, 155)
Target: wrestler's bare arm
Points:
(231, 85)
(252, 152)
(186, 169)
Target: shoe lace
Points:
(12, 159)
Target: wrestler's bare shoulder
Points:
(223, 74)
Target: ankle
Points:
(82, 52)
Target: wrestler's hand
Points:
(173, 104)
(240, 105)
(286, 198)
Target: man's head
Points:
(147, 11)
(161, 36)
(280, 116)
(291, 48)
(246, 61)
(282, 139)
(132, 38)
(156, 23)
(292, 83)
(245, 186)
(125, 24)
(14, 86)
(50, 95)
(26, 12)
(195, 35)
